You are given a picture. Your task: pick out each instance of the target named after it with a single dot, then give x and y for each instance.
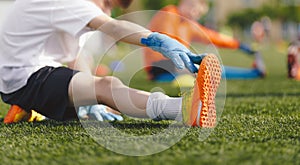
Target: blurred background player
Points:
(258, 31)
(293, 60)
(180, 22)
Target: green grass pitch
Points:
(260, 125)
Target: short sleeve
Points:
(72, 16)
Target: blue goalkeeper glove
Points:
(245, 48)
(97, 112)
(172, 49)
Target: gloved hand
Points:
(245, 48)
(97, 112)
(174, 50)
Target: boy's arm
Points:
(203, 34)
(120, 30)
(206, 35)
(132, 33)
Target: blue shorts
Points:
(46, 92)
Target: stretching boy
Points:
(40, 35)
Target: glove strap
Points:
(145, 41)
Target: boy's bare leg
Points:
(86, 89)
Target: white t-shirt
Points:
(40, 33)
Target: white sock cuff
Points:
(152, 109)
(162, 107)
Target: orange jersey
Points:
(169, 21)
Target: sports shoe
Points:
(16, 114)
(199, 107)
(34, 116)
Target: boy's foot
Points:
(199, 107)
(17, 114)
(34, 116)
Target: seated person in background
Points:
(180, 22)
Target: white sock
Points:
(162, 107)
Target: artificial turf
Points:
(260, 124)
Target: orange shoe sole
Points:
(202, 109)
(15, 114)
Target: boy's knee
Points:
(105, 87)
(109, 82)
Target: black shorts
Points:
(46, 92)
